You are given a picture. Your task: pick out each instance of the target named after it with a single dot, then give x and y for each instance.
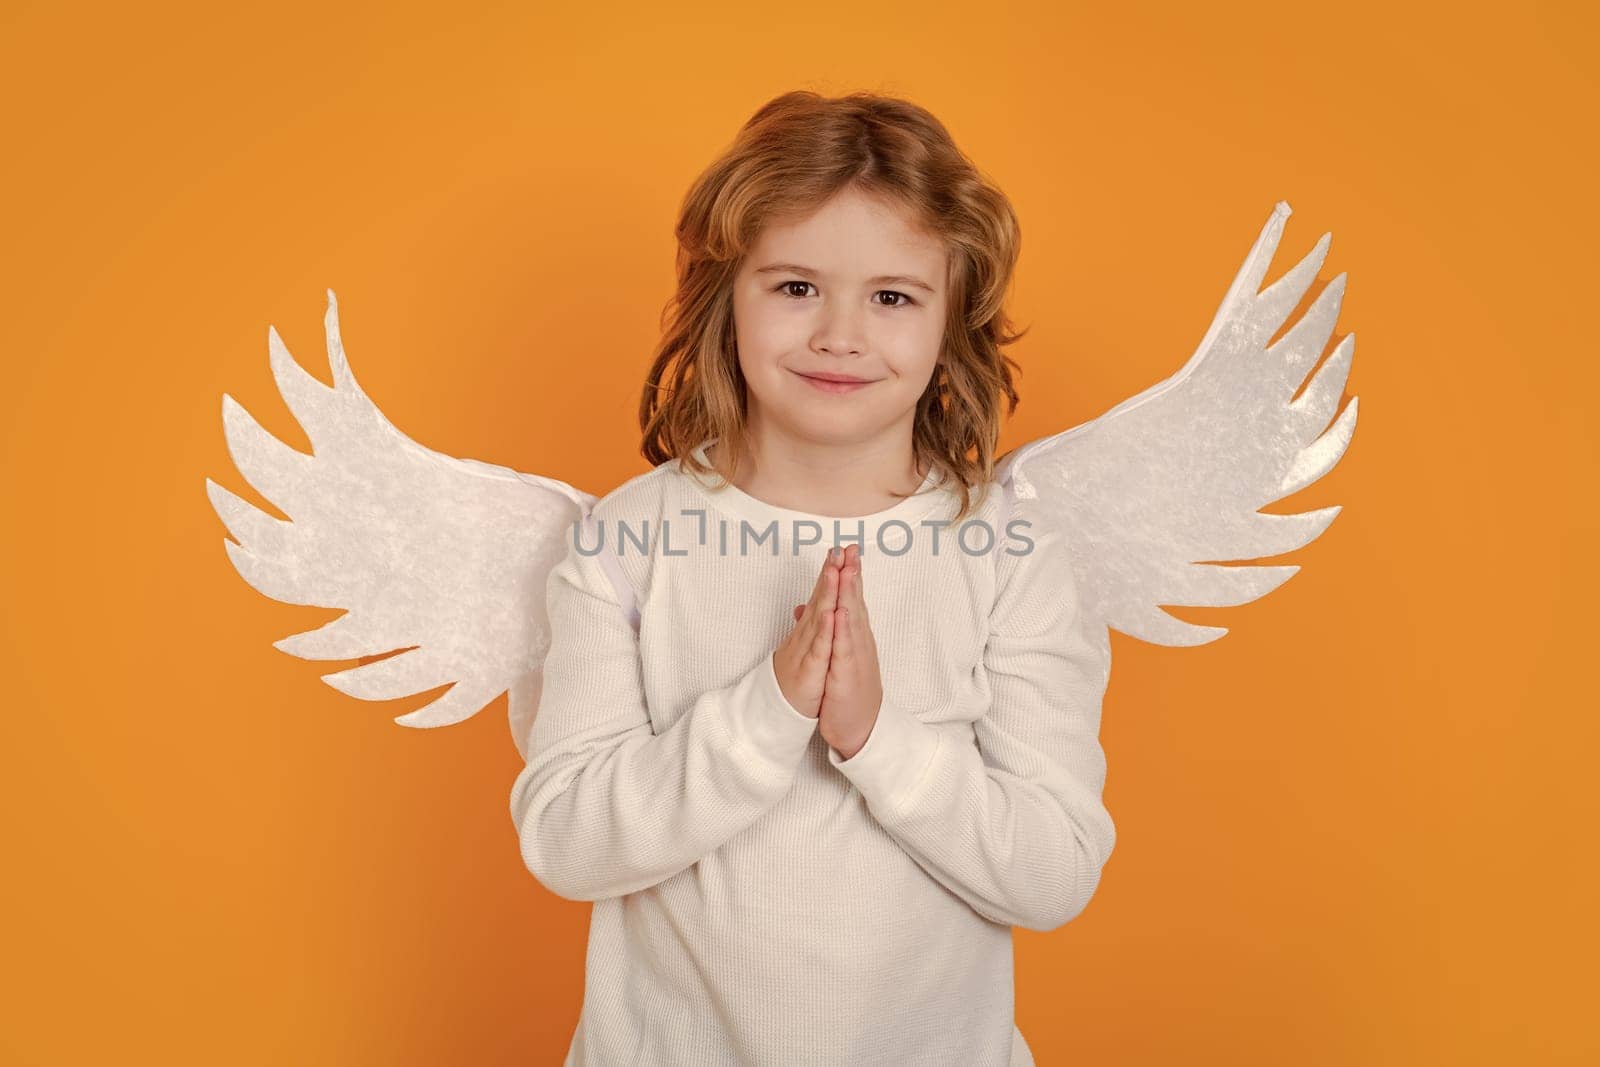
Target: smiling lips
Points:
(836, 383)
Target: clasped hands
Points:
(827, 666)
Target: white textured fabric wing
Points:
(444, 557)
(1155, 493)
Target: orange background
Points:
(1356, 830)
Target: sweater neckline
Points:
(731, 500)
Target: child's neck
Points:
(826, 480)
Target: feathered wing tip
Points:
(1159, 497)
(444, 559)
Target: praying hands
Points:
(827, 667)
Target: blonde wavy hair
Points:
(796, 152)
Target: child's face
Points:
(814, 297)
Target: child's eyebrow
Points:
(882, 279)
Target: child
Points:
(809, 803)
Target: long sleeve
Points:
(604, 806)
(1013, 824)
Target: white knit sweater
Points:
(758, 900)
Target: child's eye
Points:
(902, 302)
(783, 287)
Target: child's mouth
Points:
(827, 386)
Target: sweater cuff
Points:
(763, 722)
(895, 760)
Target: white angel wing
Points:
(444, 557)
(1172, 477)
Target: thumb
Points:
(799, 610)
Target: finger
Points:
(865, 640)
(843, 637)
(819, 591)
(858, 591)
(805, 615)
(806, 618)
(851, 589)
(817, 618)
(820, 647)
(852, 634)
(830, 588)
